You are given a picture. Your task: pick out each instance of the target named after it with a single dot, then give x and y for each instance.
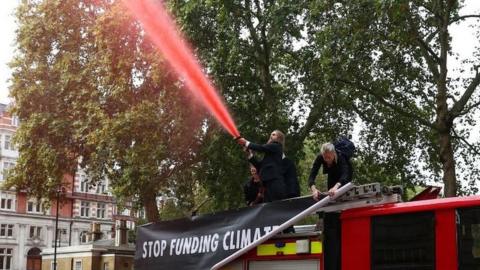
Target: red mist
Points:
(163, 32)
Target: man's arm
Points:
(314, 171)
(313, 174)
(265, 148)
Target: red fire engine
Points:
(427, 234)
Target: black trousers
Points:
(332, 239)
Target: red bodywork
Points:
(356, 230)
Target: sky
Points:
(7, 34)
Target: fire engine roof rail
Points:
(285, 225)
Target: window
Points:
(85, 209)
(141, 213)
(83, 183)
(101, 188)
(62, 237)
(6, 204)
(7, 201)
(101, 208)
(7, 166)
(468, 236)
(6, 230)
(15, 121)
(404, 241)
(6, 258)
(8, 143)
(33, 206)
(84, 237)
(105, 266)
(78, 265)
(35, 232)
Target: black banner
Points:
(201, 242)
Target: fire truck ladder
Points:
(347, 197)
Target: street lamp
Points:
(59, 190)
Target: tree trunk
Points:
(151, 209)
(448, 165)
(444, 127)
(444, 119)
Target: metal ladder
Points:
(347, 197)
(363, 196)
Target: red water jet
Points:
(164, 34)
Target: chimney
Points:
(121, 233)
(96, 233)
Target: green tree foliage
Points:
(89, 87)
(49, 77)
(394, 59)
(262, 58)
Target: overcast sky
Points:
(7, 34)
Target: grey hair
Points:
(328, 147)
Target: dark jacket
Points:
(291, 178)
(270, 166)
(270, 170)
(289, 173)
(253, 192)
(340, 172)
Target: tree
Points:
(260, 56)
(393, 60)
(92, 92)
(49, 75)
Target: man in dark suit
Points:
(270, 167)
(339, 172)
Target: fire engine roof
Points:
(415, 206)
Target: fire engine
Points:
(380, 232)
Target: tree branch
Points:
(251, 29)
(430, 56)
(469, 108)
(313, 116)
(459, 106)
(454, 20)
(393, 107)
(433, 60)
(463, 18)
(472, 148)
(361, 114)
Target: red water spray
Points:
(163, 32)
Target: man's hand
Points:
(315, 193)
(331, 192)
(241, 141)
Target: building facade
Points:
(26, 228)
(99, 254)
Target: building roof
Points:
(102, 246)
